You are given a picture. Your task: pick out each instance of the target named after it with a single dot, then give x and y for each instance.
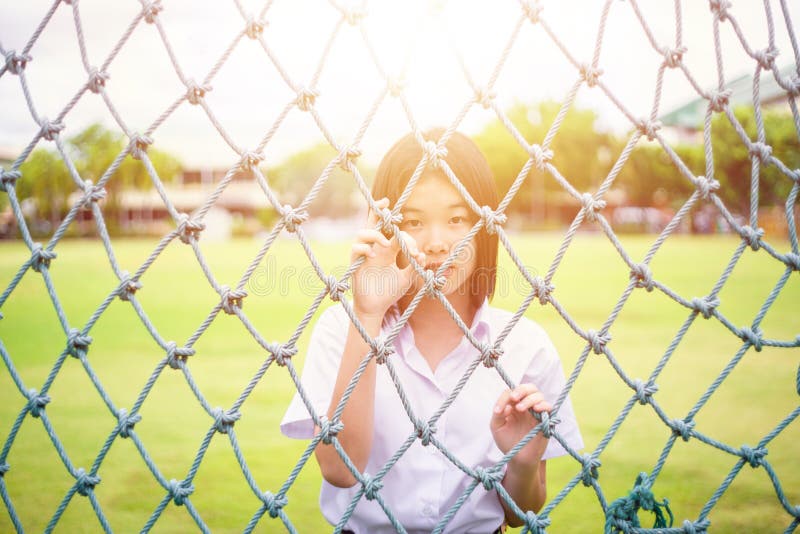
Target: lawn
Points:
(176, 297)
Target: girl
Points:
(430, 356)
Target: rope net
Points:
(620, 513)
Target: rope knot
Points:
(388, 221)
(274, 503)
(336, 288)
(695, 527)
(766, 57)
(597, 341)
(85, 482)
(138, 145)
(223, 420)
(126, 422)
(673, 56)
(644, 277)
(622, 513)
(753, 237)
(306, 98)
(180, 490)
(195, 92)
(761, 151)
(542, 289)
(41, 257)
(718, 100)
(293, 218)
(91, 194)
(9, 178)
(589, 471)
(794, 86)
(232, 299)
(705, 305)
(591, 206)
(16, 63)
(371, 487)
(490, 354)
(752, 336)
(492, 219)
(682, 428)
(283, 353)
(77, 343)
(548, 424)
(720, 8)
(97, 80)
(433, 283)
(532, 10)
(329, 429)
(177, 355)
(4, 468)
(151, 10)
(434, 153)
(348, 156)
(254, 28)
(753, 456)
(792, 261)
(189, 229)
(128, 287)
(489, 477)
(590, 74)
(50, 129)
(648, 128)
(396, 84)
(250, 160)
(381, 350)
(484, 97)
(706, 186)
(355, 16)
(644, 391)
(536, 524)
(37, 402)
(424, 431)
(540, 156)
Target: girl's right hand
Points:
(379, 282)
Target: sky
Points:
(249, 92)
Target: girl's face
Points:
(437, 217)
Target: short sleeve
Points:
(546, 373)
(319, 373)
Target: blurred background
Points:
(248, 102)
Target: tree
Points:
(46, 180)
(581, 153)
(294, 178)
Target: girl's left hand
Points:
(511, 421)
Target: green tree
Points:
(582, 154)
(294, 178)
(46, 180)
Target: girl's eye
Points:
(412, 223)
(458, 219)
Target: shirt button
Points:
(427, 511)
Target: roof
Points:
(691, 114)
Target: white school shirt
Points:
(422, 486)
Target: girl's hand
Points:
(379, 282)
(511, 421)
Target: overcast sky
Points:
(248, 93)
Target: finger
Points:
(522, 391)
(529, 402)
(502, 401)
(361, 249)
(370, 236)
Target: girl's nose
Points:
(435, 244)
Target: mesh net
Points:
(34, 401)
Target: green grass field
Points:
(759, 393)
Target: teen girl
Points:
(430, 355)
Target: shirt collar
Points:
(480, 327)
